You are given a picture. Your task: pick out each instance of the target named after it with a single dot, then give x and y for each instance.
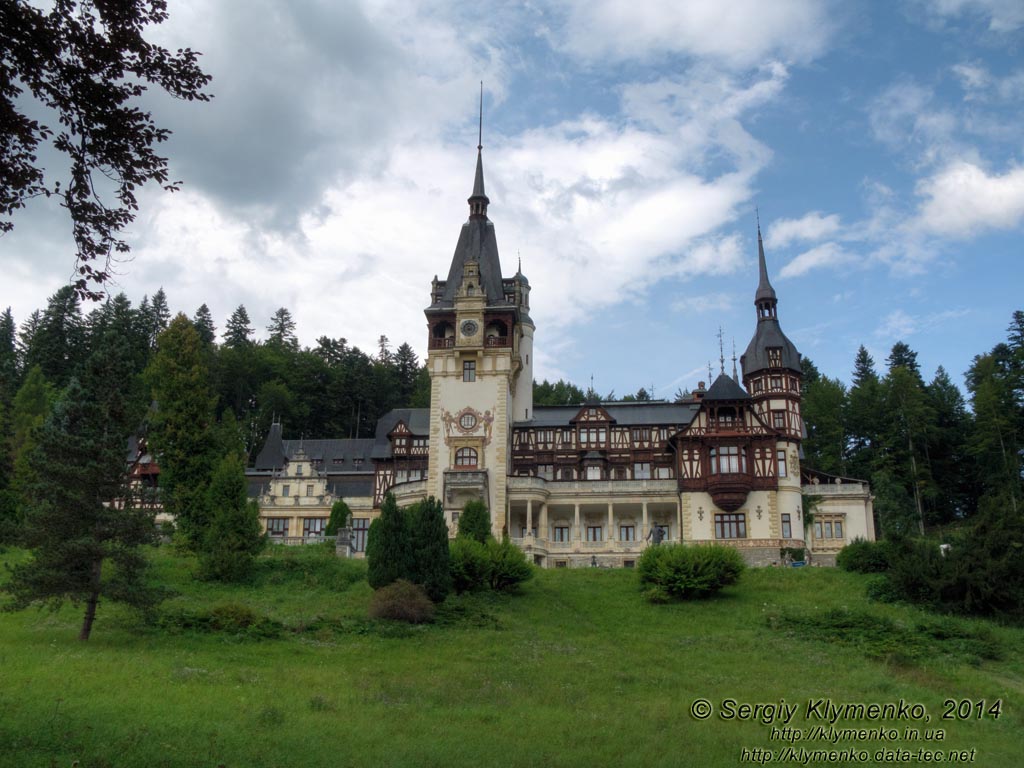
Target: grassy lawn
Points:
(575, 670)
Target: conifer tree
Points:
(238, 330)
(475, 521)
(203, 321)
(282, 330)
(824, 402)
(233, 536)
(8, 358)
(864, 417)
(388, 546)
(431, 566)
(340, 515)
(32, 405)
(81, 526)
(26, 336)
(159, 315)
(58, 343)
(181, 429)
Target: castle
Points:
(584, 485)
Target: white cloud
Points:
(981, 85)
(824, 255)
(740, 33)
(1002, 15)
(809, 227)
(906, 118)
(702, 303)
(963, 199)
(897, 325)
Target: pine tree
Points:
(30, 409)
(475, 521)
(26, 336)
(431, 565)
(238, 330)
(159, 315)
(58, 344)
(80, 516)
(181, 429)
(8, 358)
(388, 546)
(955, 485)
(407, 368)
(282, 330)
(995, 441)
(864, 417)
(203, 321)
(824, 402)
(340, 515)
(234, 535)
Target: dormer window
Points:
(298, 470)
(774, 357)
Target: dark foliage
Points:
(233, 536)
(475, 521)
(89, 64)
(430, 565)
(388, 546)
(863, 556)
(509, 567)
(470, 565)
(681, 571)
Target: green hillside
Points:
(577, 670)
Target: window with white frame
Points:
(360, 526)
(593, 473)
(313, 526)
(642, 470)
(466, 458)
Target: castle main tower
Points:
(772, 375)
(480, 360)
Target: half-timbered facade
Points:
(593, 483)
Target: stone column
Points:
(576, 533)
(529, 518)
(545, 532)
(645, 527)
(611, 523)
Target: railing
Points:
(496, 341)
(436, 343)
(299, 540)
(833, 489)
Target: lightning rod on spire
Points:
(480, 134)
(721, 352)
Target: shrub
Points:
(402, 601)
(388, 546)
(681, 571)
(508, 566)
(470, 565)
(340, 514)
(429, 539)
(863, 556)
(475, 521)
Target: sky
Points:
(629, 149)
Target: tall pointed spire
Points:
(764, 287)
(478, 200)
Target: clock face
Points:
(469, 328)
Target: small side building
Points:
(843, 512)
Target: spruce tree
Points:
(238, 330)
(159, 315)
(431, 565)
(8, 358)
(233, 535)
(475, 521)
(181, 429)
(81, 525)
(340, 515)
(203, 321)
(58, 343)
(282, 330)
(388, 546)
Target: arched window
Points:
(466, 458)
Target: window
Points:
(566, 473)
(642, 470)
(298, 470)
(730, 525)
(561, 564)
(828, 529)
(778, 419)
(839, 529)
(523, 534)
(629, 563)
(595, 533)
(663, 473)
(728, 460)
(620, 473)
(776, 382)
(782, 463)
(758, 386)
(593, 435)
(627, 533)
(360, 525)
(455, 518)
(277, 527)
(469, 370)
(547, 471)
(787, 527)
(561, 533)
(286, 490)
(593, 473)
(309, 490)
(467, 421)
(817, 529)
(313, 526)
(775, 357)
(466, 458)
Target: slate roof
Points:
(726, 388)
(769, 334)
(624, 414)
(335, 456)
(416, 419)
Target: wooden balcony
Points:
(496, 341)
(729, 491)
(447, 343)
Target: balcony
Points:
(447, 343)
(472, 482)
(496, 341)
(729, 491)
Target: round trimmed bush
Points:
(682, 572)
(402, 601)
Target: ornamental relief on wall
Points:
(467, 423)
